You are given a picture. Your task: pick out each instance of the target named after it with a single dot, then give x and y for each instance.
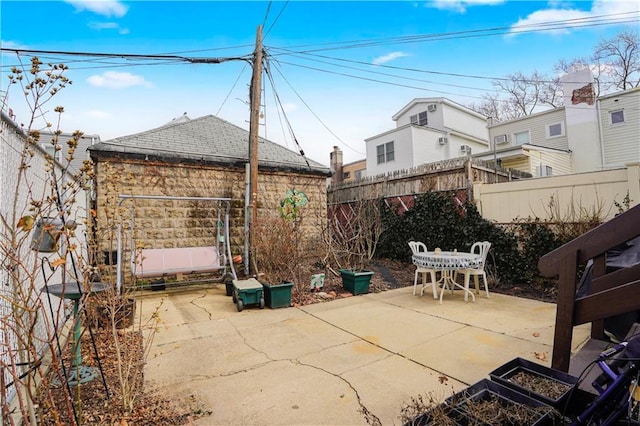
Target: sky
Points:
(336, 72)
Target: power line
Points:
(232, 87)
(547, 26)
(378, 81)
(395, 75)
(128, 56)
(293, 136)
(316, 115)
(277, 17)
(266, 15)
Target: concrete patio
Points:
(327, 363)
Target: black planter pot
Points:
(505, 376)
(229, 288)
(537, 412)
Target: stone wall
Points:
(171, 223)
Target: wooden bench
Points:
(175, 261)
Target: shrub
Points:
(439, 220)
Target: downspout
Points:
(247, 212)
(600, 134)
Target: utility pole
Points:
(255, 93)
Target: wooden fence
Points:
(450, 175)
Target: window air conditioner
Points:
(443, 141)
(431, 108)
(500, 139)
(465, 149)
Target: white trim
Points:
(619, 123)
(548, 130)
(515, 137)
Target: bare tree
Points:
(491, 106)
(526, 93)
(615, 64)
(520, 95)
(621, 57)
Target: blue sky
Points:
(329, 61)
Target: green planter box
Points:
(277, 295)
(356, 282)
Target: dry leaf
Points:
(26, 223)
(442, 379)
(541, 355)
(58, 262)
(536, 334)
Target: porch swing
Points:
(159, 263)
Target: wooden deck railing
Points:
(612, 293)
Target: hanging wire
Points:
(232, 87)
(293, 136)
(276, 20)
(312, 112)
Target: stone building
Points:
(203, 157)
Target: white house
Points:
(587, 134)
(427, 130)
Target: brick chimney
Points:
(335, 161)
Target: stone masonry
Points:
(164, 224)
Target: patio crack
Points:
(193, 302)
(371, 418)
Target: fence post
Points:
(633, 183)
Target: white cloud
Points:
(99, 26)
(101, 7)
(98, 115)
(388, 58)
(289, 107)
(11, 44)
(575, 17)
(103, 25)
(541, 17)
(461, 5)
(117, 80)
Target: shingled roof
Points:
(204, 140)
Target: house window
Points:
(521, 138)
(385, 153)
(617, 117)
(419, 119)
(51, 151)
(545, 170)
(359, 174)
(555, 130)
(346, 175)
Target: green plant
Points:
(279, 245)
(441, 221)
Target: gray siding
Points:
(536, 124)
